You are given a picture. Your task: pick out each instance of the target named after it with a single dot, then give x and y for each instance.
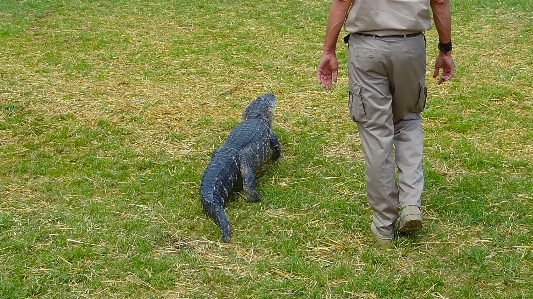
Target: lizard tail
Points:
(217, 214)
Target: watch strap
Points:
(445, 47)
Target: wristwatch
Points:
(445, 47)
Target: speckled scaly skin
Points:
(244, 151)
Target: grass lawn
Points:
(110, 110)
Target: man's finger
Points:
(436, 72)
(323, 79)
(327, 82)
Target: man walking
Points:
(387, 93)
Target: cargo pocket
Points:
(422, 97)
(355, 102)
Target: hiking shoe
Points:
(410, 220)
(386, 240)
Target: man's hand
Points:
(327, 70)
(444, 62)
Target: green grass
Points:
(109, 111)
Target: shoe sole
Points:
(410, 224)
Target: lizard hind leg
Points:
(275, 146)
(251, 195)
(246, 160)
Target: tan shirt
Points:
(388, 17)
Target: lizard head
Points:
(261, 108)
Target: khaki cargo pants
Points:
(387, 93)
